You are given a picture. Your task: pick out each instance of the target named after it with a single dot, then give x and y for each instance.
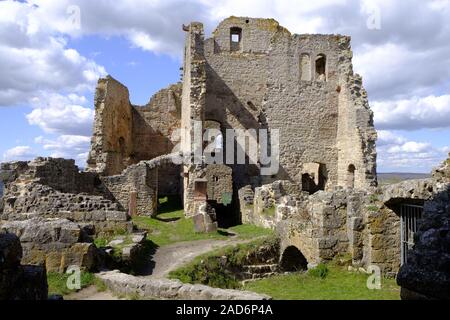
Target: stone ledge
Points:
(121, 283)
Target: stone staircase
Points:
(259, 271)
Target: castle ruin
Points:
(252, 76)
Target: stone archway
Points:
(292, 259)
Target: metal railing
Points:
(409, 216)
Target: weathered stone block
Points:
(99, 215)
(199, 223)
(116, 216)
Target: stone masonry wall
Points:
(141, 181)
(261, 85)
(19, 282)
(112, 144)
(193, 108)
(47, 186)
(155, 133)
(427, 273)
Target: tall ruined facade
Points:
(251, 74)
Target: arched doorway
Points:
(293, 260)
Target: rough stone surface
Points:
(427, 273)
(18, 282)
(121, 283)
(55, 243)
(48, 186)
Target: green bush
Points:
(321, 271)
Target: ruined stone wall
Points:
(269, 81)
(112, 140)
(19, 282)
(427, 273)
(155, 133)
(220, 183)
(47, 186)
(193, 106)
(140, 180)
(126, 134)
(54, 243)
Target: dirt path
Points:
(171, 257)
(91, 293)
(165, 259)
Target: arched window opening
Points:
(351, 176)
(305, 67)
(321, 66)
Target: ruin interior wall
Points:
(193, 106)
(125, 134)
(156, 133)
(111, 145)
(266, 82)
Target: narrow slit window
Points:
(235, 39)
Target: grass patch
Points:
(373, 208)
(171, 226)
(220, 268)
(103, 240)
(339, 284)
(321, 271)
(249, 231)
(57, 282)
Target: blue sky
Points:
(52, 53)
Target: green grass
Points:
(171, 226)
(211, 269)
(57, 282)
(249, 231)
(339, 284)
(104, 239)
(321, 271)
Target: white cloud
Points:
(60, 114)
(407, 57)
(19, 153)
(386, 137)
(70, 119)
(397, 153)
(414, 113)
(35, 58)
(410, 147)
(67, 146)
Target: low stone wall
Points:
(140, 180)
(57, 173)
(48, 186)
(269, 204)
(55, 243)
(121, 283)
(18, 282)
(100, 222)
